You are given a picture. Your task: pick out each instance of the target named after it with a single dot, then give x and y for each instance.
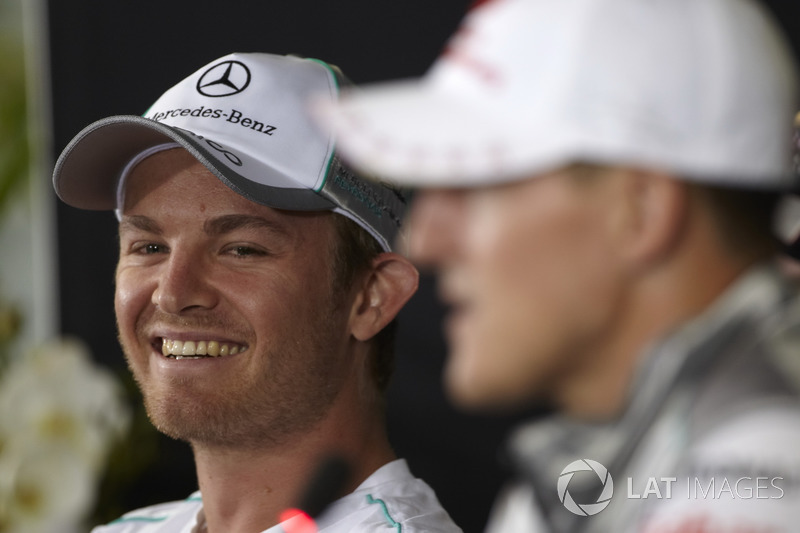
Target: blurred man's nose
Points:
(434, 226)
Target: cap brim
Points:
(417, 135)
(87, 172)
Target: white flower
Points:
(55, 393)
(44, 488)
(59, 416)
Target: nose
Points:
(434, 226)
(183, 284)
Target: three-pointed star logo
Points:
(224, 79)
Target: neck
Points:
(656, 303)
(245, 489)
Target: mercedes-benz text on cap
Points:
(244, 117)
(705, 89)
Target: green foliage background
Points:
(134, 454)
(14, 147)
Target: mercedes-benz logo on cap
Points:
(224, 79)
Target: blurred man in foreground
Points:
(599, 180)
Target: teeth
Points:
(186, 349)
(213, 348)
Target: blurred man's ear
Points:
(651, 215)
(390, 283)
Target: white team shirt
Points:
(390, 500)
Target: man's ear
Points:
(392, 280)
(652, 216)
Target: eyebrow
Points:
(139, 222)
(213, 227)
(228, 223)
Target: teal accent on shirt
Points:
(139, 519)
(392, 521)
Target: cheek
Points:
(518, 260)
(494, 349)
(132, 295)
(542, 288)
(291, 308)
(539, 257)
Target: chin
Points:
(480, 389)
(184, 416)
(178, 422)
(470, 388)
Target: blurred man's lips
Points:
(455, 317)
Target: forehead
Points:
(173, 186)
(163, 174)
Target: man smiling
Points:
(255, 294)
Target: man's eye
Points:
(150, 248)
(245, 251)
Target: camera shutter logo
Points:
(585, 509)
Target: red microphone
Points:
(326, 484)
(297, 521)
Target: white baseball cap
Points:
(705, 89)
(244, 117)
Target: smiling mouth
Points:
(175, 349)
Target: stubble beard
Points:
(293, 393)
